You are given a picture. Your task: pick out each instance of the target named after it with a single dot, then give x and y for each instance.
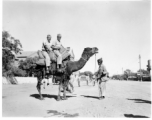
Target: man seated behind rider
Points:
(70, 51)
(56, 46)
(46, 47)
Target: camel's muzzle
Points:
(95, 50)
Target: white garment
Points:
(71, 54)
(48, 44)
(56, 43)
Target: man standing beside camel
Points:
(102, 79)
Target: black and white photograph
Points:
(76, 59)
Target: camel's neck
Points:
(81, 62)
(76, 65)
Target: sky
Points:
(121, 30)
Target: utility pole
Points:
(140, 66)
(122, 70)
(95, 64)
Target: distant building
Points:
(25, 54)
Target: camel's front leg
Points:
(59, 97)
(64, 93)
(64, 90)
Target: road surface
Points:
(123, 99)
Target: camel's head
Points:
(88, 52)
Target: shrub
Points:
(18, 72)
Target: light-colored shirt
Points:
(70, 51)
(56, 44)
(47, 44)
(102, 69)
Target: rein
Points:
(84, 59)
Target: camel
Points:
(68, 69)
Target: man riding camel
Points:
(70, 51)
(46, 48)
(56, 46)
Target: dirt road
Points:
(123, 99)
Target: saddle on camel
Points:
(53, 58)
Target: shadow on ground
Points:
(134, 116)
(37, 96)
(56, 113)
(90, 96)
(140, 101)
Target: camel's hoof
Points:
(58, 99)
(64, 98)
(41, 98)
(72, 91)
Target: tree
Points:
(127, 73)
(117, 77)
(10, 43)
(9, 48)
(149, 66)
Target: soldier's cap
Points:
(59, 35)
(99, 60)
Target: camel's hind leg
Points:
(39, 90)
(39, 84)
(59, 91)
(64, 93)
